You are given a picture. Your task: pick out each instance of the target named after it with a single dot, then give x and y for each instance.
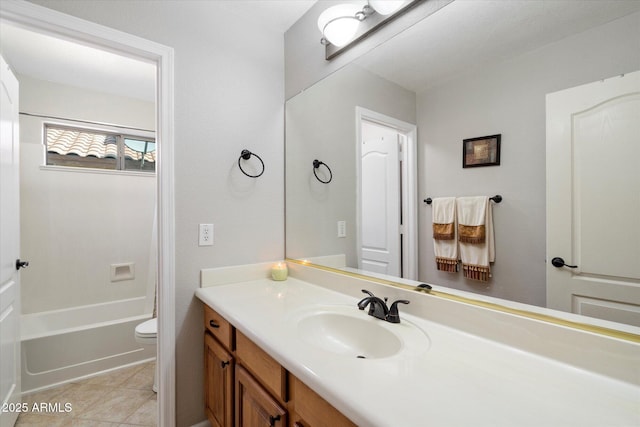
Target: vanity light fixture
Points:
(386, 7)
(339, 23)
(344, 24)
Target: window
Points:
(87, 148)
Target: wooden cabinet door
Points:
(313, 409)
(218, 388)
(254, 406)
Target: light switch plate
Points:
(342, 228)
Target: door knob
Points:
(21, 264)
(559, 262)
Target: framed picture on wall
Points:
(481, 151)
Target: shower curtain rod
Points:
(42, 116)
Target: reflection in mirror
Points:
(491, 78)
(321, 124)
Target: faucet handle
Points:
(394, 315)
(366, 300)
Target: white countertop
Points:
(461, 380)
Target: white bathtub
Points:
(63, 345)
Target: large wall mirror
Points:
(471, 69)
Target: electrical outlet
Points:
(342, 228)
(205, 235)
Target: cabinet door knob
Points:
(224, 364)
(213, 324)
(272, 420)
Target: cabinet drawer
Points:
(218, 326)
(265, 368)
(314, 410)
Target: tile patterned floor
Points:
(115, 399)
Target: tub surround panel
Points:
(76, 224)
(500, 378)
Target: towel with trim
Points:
(444, 233)
(475, 236)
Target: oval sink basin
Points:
(347, 331)
(349, 335)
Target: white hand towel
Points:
(475, 236)
(444, 233)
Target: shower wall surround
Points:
(75, 225)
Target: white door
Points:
(593, 199)
(380, 199)
(9, 248)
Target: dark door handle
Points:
(559, 262)
(213, 324)
(21, 264)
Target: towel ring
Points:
(316, 165)
(246, 155)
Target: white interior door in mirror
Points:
(593, 199)
(380, 199)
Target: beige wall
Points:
(229, 86)
(74, 225)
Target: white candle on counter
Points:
(279, 271)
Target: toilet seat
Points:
(147, 332)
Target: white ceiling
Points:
(468, 34)
(57, 60)
(463, 34)
(53, 59)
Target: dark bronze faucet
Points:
(378, 307)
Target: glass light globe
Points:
(386, 7)
(339, 24)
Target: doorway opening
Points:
(41, 20)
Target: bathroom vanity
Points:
(264, 389)
(300, 353)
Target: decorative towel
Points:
(444, 233)
(475, 236)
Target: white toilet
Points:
(147, 334)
